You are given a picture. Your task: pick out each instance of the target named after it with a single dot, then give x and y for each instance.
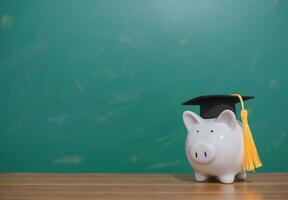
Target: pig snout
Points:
(202, 153)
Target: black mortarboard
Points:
(212, 105)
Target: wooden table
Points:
(138, 186)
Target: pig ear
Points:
(227, 117)
(190, 119)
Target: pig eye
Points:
(197, 131)
(211, 131)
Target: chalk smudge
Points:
(165, 164)
(274, 84)
(6, 22)
(133, 158)
(69, 160)
(58, 119)
(105, 116)
(79, 86)
(186, 39)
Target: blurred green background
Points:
(97, 86)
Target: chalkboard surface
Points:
(97, 86)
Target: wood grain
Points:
(138, 186)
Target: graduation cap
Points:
(212, 105)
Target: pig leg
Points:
(241, 175)
(227, 178)
(200, 177)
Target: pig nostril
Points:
(205, 154)
(196, 155)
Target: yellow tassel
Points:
(251, 158)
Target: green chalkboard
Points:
(97, 86)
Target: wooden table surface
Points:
(138, 186)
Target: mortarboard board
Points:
(212, 105)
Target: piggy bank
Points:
(214, 147)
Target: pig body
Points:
(214, 147)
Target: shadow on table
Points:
(213, 189)
(190, 178)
